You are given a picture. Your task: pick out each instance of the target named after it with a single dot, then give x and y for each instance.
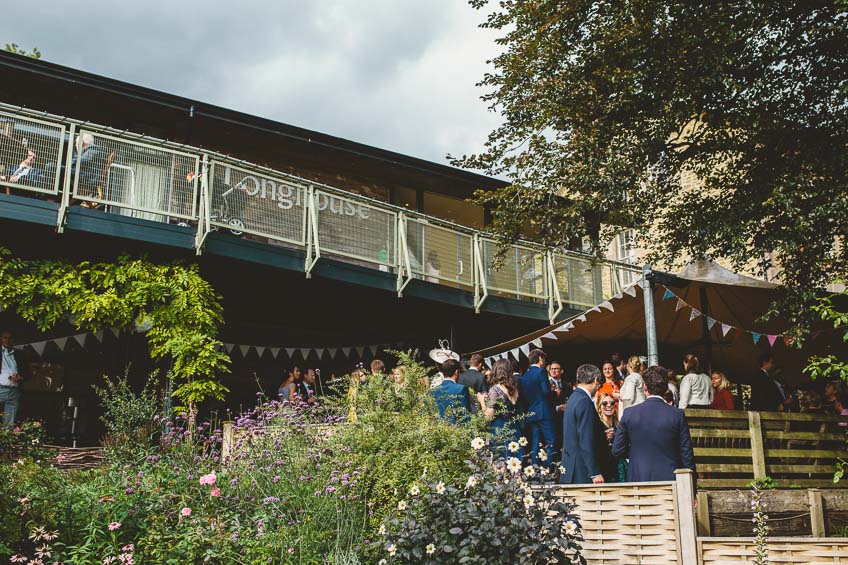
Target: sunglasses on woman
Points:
(607, 403)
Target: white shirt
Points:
(632, 391)
(697, 389)
(9, 367)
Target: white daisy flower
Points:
(440, 488)
(513, 447)
(513, 464)
(392, 549)
(430, 549)
(529, 471)
(478, 443)
(570, 528)
(522, 441)
(472, 482)
(414, 490)
(528, 501)
(543, 455)
(382, 530)
(402, 505)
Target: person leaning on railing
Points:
(722, 397)
(696, 389)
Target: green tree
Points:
(13, 48)
(613, 104)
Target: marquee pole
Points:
(650, 319)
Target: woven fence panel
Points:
(811, 551)
(627, 523)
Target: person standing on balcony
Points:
(653, 435)
(476, 382)
(632, 391)
(696, 388)
(10, 378)
(534, 387)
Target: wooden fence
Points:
(733, 447)
(730, 551)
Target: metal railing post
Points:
(311, 233)
(480, 281)
(64, 202)
(203, 212)
(553, 288)
(404, 265)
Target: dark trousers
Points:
(541, 435)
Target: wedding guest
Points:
(632, 391)
(653, 435)
(767, 394)
(306, 387)
(452, 399)
(475, 380)
(502, 405)
(696, 388)
(12, 371)
(616, 467)
(612, 382)
(722, 396)
(673, 388)
(535, 387)
(560, 391)
(833, 390)
(620, 364)
(286, 392)
(584, 442)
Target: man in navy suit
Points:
(654, 435)
(583, 439)
(452, 399)
(534, 389)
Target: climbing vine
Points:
(180, 308)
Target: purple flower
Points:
(330, 489)
(129, 491)
(276, 479)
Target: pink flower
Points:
(208, 479)
(114, 526)
(216, 492)
(185, 512)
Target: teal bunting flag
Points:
(668, 294)
(710, 323)
(756, 337)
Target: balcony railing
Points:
(119, 172)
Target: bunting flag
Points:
(608, 305)
(680, 305)
(537, 342)
(771, 339)
(595, 309)
(630, 291)
(115, 332)
(229, 347)
(710, 323)
(99, 336)
(346, 351)
(39, 347)
(275, 351)
(525, 349)
(618, 296)
(693, 314)
(304, 352)
(319, 351)
(581, 317)
(569, 326)
(515, 354)
(80, 339)
(561, 328)
(260, 349)
(360, 351)
(550, 335)
(667, 294)
(332, 351)
(724, 329)
(373, 349)
(756, 337)
(290, 351)
(244, 349)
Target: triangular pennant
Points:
(710, 323)
(39, 347)
(346, 351)
(274, 351)
(724, 329)
(582, 317)
(373, 349)
(360, 351)
(618, 296)
(319, 351)
(290, 351)
(61, 342)
(680, 304)
(771, 339)
(332, 351)
(525, 349)
(80, 339)
(693, 314)
(260, 349)
(304, 352)
(562, 329)
(99, 336)
(537, 342)
(229, 347)
(244, 349)
(549, 335)
(569, 326)
(608, 305)
(595, 309)
(667, 294)
(630, 291)
(515, 353)
(756, 337)
(115, 332)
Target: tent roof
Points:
(706, 308)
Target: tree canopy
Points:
(714, 128)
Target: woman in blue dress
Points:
(502, 408)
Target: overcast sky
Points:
(397, 74)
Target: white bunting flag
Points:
(39, 346)
(229, 347)
(373, 349)
(618, 296)
(61, 342)
(630, 291)
(515, 353)
(537, 342)
(582, 317)
(525, 349)
(99, 336)
(115, 332)
(274, 351)
(290, 352)
(80, 339)
(550, 335)
(595, 309)
(693, 314)
(260, 349)
(608, 305)
(569, 326)
(244, 349)
(319, 351)
(332, 351)
(304, 352)
(724, 329)
(360, 351)
(346, 351)
(680, 304)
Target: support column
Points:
(650, 320)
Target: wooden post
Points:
(686, 516)
(816, 513)
(227, 440)
(702, 514)
(758, 452)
